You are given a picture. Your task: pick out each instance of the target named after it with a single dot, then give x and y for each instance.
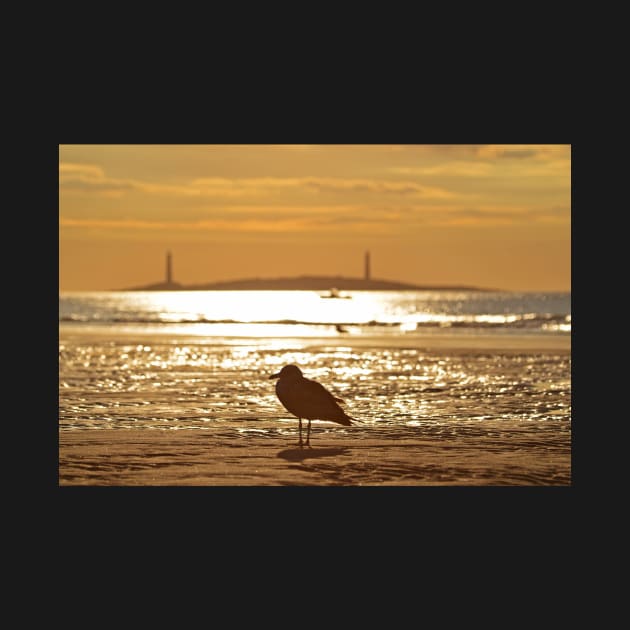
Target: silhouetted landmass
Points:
(302, 283)
(160, 286)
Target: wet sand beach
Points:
(442, 410)
(201, 458)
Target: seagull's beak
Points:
(275, 375)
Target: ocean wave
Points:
(529, 321)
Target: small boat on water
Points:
(334, 293)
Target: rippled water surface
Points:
(179, 385)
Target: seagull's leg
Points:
(308, 434)
(300, 443)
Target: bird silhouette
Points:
(308, 399)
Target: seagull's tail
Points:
(345, 419)
(348, 420)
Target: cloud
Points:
(249, 218)
(172, 226)
(220, 187)
(267, 185)
(449, 169)
(286, 210)
(523, 151)
(487, 216)
(80, 170)
(436, 149)
(92, 179)
(375, 186)
(386, 220)
(305, 224)
(89, 178)
(104, 186)
(525, 172)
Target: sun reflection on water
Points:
(285, 314)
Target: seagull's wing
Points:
(311, 400)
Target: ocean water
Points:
(306, 313)
(201, 360)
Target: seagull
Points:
(308, 399)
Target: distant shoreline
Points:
(302, 283)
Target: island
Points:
(332, 284)
(302, 283)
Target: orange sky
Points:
(496, 216)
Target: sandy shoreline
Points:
(205, 458)
(432, 342)
(236, 453)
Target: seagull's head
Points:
(288, 371)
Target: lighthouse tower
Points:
(367, 265)
(169, 268)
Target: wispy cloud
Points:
(450, 169)
(386, 219)
(494, 174)
(269, 185)
(487, 216)
(307, 224)
(67, 169)
(88, 178)
(377, 186)
(523, 151)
